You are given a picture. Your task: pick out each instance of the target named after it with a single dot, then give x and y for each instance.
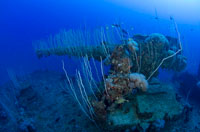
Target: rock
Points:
(159, 103)
(119, 118)
(146, 110)
(28, 98)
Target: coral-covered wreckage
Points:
(130, 96)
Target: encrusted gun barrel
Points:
(93, 51)
(79, 43)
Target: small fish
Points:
(123, 31)
(156, 17)
(116, 25)
(171, 18)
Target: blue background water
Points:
(23, 21)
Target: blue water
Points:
(24, 21)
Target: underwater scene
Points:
(100, 66)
